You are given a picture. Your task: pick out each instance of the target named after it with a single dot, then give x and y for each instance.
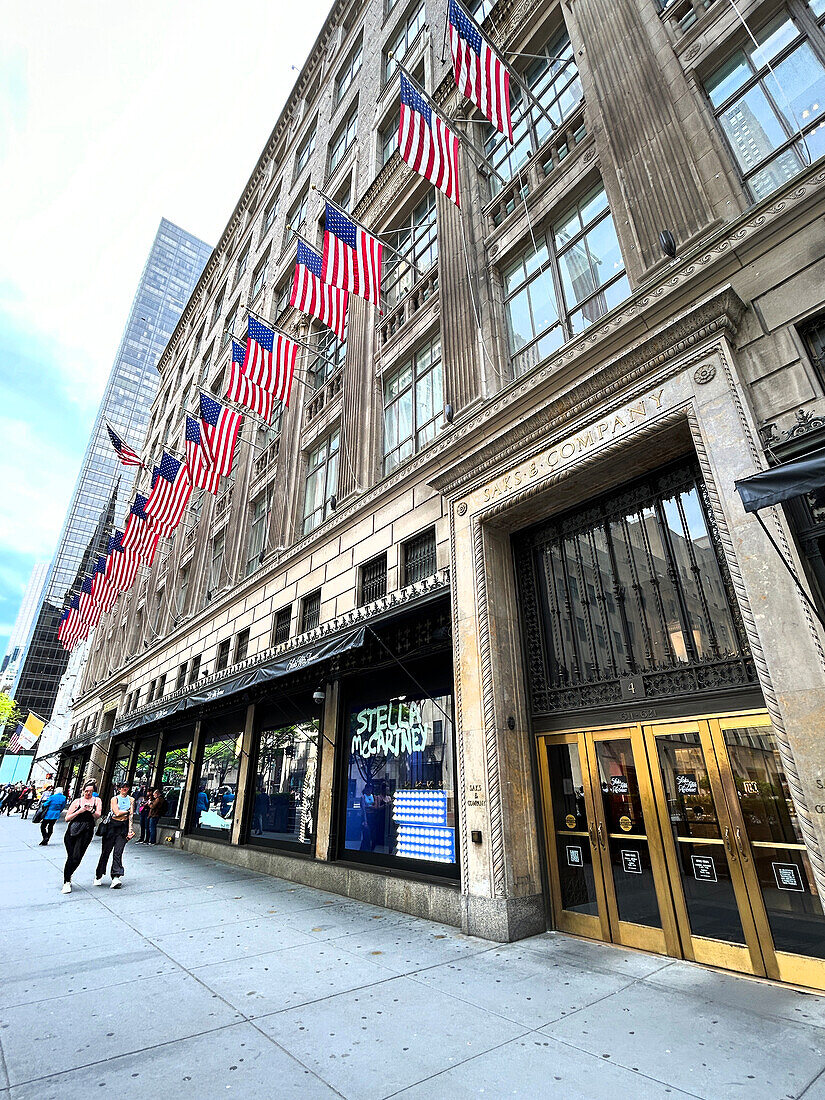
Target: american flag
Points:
(199, 460)
(245, 392)
(140, 537)
(219, 433)
(89, 611)
(74, 628)
(480, 73)
(170, 495)
(270, 359)
(62, 626)
(125, 453)
(312, 295)
(100, 585)
(426, 143)
(14, 741)
(352, 257)
(123, 564)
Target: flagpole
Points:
(525, 91)
(451, 122)
(371, 232)
(287, 336)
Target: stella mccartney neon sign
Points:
(389, 730)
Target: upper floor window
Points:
(216, 310)
(373, 580)
(343, 140)
(223, 656)
(416, 241)
(259, 278)
(554, 81)
(764, 96)
(181, 681)
(258, 518)
(331, 355)
(420, 558)
(282, 296)
(573, 277)
(305, 151)
(813, 334)
(399, 45)
(231, 318)
(241, 645)
(311, 611)
(388, 136)
(348, 72)
(216, 560)
(270, 213)
(321, 481)
(413, 402)
(298, 213)
(280, 629)
(195, 669)
(243, 261)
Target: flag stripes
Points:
(310, 294)
(480, 74)
(426, 143)
(351, 257)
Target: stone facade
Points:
(693, 358)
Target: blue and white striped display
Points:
(421, 842)
(420, 807)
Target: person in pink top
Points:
(81, 818)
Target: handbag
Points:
(103, 824)
(39, 813)
(77, 828)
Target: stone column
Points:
(245, 776)
(457, 263)
(500, 869)
(657, 157)
(328, 748)
(188, 793)
(360, 419)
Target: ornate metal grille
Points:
(311, 611)
(419, 557)
(629, 598)
(282, 623)
(374, 579)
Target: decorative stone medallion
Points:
(704, 374)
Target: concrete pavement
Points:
(201, 979)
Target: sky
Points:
(112, 116)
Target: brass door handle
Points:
(741, 845)
(728, 845)
(601, 837)
(592, 832)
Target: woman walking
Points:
(157, 808)
(81, 818)
(115, 834)
(53, 803)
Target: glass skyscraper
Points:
(104, 486)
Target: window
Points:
(343, 140)
(258, 518)
(280, 631)
(183, 588)
(181, 681)
(207, 359)
(578, 265)
(348, 72)
(282, 296)
(216, 310)
(813, 335)
(399, 775)
(174, 767)
(161, 688)
(195, 669)
(270, 213)
(241, 645)
(243, 261)
(321, 482)
(231, 318)
(150, 694)
(259, 278)
(282, 808)
(374, 579)
(416, 241)
(310, 611)
(419, 557)
(413, 403)
(554, 81)
(298, 213)
(223, 656)
(761, 111)
(216, 560)
(305, 151)
(388, 137)
(331, 355)
(400, 45)
(217, 784)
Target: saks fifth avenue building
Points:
(480, 629)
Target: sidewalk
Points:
(200, 979)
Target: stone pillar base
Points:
(503, 919)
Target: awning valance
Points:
(790, 479)
(274, 670)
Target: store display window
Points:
(219, 759)
(282, 803)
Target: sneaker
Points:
(43, 843)
(67, 888)
(116, 884)
(99, 881)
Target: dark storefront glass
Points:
(217, 786)
(400, 782)
(144, 765)
(174, 768)
(282, 803)
(120, 766)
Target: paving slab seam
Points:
(816, 1077)
(109, 985)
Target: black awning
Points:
(274, 670)
(791, 479)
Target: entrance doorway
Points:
(681, 838)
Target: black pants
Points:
(75, 849)
(46, 830)
(114, 841)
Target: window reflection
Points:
(174, 769)
(214, 808)
(282, 805)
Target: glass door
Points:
(774, 861)
(709, 889)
